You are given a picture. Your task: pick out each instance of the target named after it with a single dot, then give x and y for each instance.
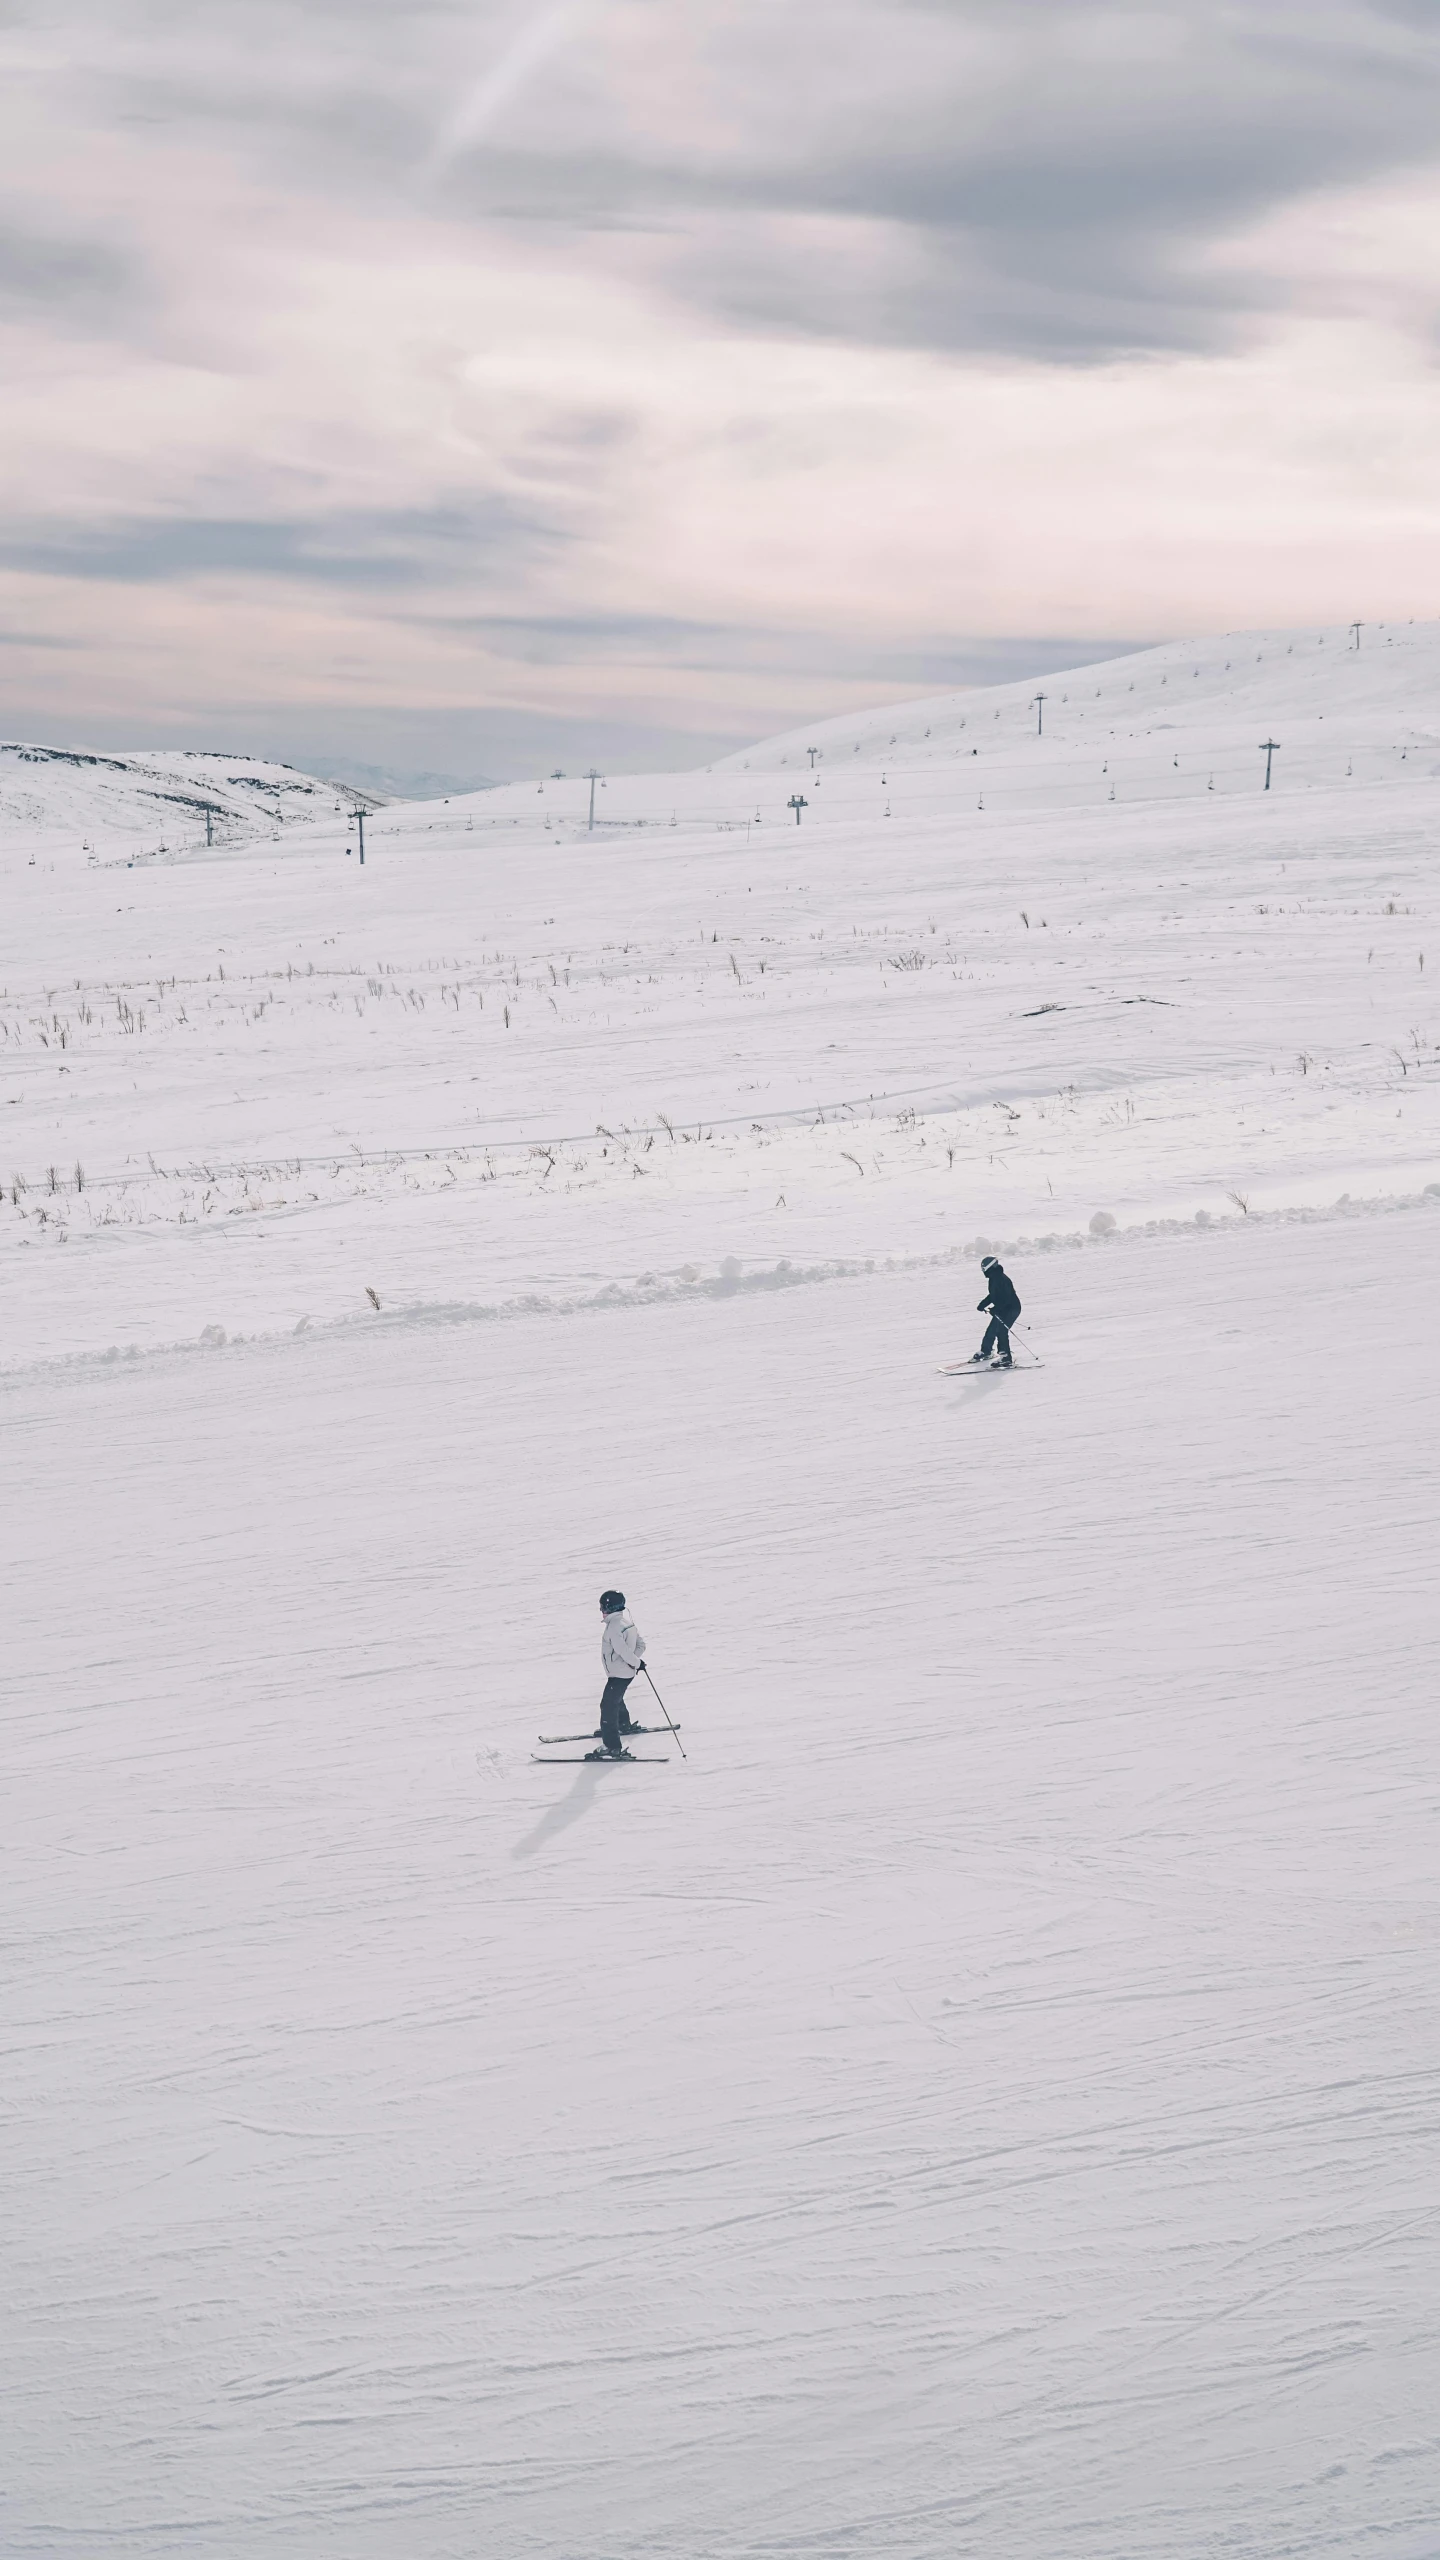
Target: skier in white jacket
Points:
(622, 1650)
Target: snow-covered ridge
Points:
(1187, 721)
(155, 800)
(1183, 722)
(1381, 683)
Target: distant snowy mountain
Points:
(382, 782)
(156, 800)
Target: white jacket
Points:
(622, 1646)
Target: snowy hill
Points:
(1212, 699)
(978, 2103)
(1182, 722)
(152, 803)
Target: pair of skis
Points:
(984, 1368)
(599, 1759)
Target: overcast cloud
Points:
(626, 371)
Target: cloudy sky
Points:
(480, 388)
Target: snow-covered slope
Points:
(1210, 700)
(153, 803)
(511, 1057)
(980, 2103)
(977, 2104)
(1183, 722)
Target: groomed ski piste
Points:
(982, 2099)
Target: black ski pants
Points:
(997, 1338)
(612, 1709)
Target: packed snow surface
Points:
(981, 2098)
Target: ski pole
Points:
(664, 1710)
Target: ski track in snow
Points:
(981, 2100)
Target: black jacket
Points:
(1004, 1298)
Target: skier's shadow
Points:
(561, 1815)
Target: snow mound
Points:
(154, 801)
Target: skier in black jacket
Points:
(1002, 1307)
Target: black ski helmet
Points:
(610, 1601)
(990, 1262)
